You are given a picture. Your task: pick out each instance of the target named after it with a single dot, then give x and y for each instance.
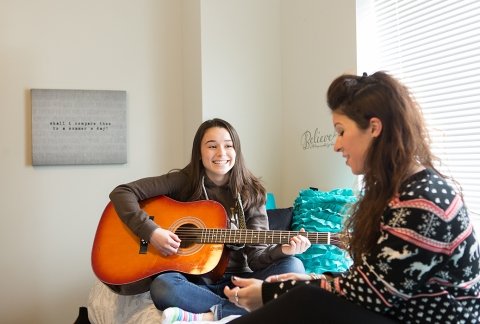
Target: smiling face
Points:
(218, 154)
(354, 142)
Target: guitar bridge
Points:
(143, 247)
(144, 244)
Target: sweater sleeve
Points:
(273, 290)
(126, 197)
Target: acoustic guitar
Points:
(128, 264)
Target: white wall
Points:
(192, 73)
(241, 78)
(318, 44)
(49, 214)
(263, 65)
(266, 66)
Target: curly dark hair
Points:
(403, 143)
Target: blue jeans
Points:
(173, 289)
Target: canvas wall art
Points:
(75, 127)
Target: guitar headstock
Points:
(341, 240)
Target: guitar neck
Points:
(227, 236)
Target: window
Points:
(433, 46)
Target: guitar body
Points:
(128, 265)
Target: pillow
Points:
(270, 203)
(318, 211)
(280, 218)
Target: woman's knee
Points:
(294, 264)
(161, 288)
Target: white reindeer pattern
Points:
(459, 255)
(474, 251)
(391, 254)
(382, 238)
(422, 268)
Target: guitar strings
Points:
(195, 232)
(186, 231)
(203, 235)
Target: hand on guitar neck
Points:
(297, 245)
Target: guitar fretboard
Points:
(227, 236)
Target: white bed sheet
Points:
(106, 307)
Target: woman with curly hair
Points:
(415, 255)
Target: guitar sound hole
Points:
(188, 235)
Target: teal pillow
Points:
(318, 211)
(270, 204)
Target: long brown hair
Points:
(241, 180)
(402, 144)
